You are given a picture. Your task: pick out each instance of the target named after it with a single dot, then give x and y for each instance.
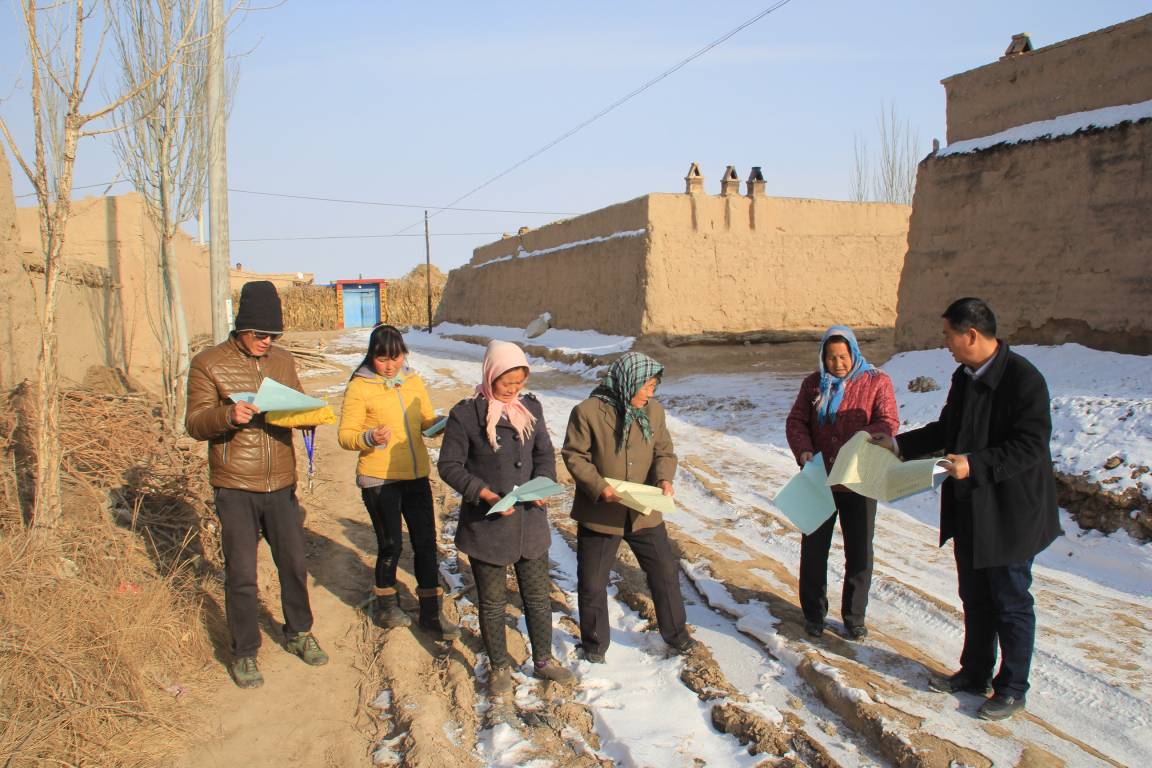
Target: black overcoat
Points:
(1013, 488)
(468, 463)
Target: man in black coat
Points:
(998, 504)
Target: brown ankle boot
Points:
(386, 611)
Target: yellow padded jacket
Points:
(369, 403)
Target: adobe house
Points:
(1052, 230)
(108, 292)
(694, 267)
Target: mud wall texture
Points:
(110, 292)
(1104, 68)
(682, 265)
(1053, 234)
(736, 264)
(587, 271)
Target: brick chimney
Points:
(694, 181)
(755, 183)
(730, 184)
(1021, 43)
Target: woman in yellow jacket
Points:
(386, 406)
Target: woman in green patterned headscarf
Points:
(619, 433)
(634, 376)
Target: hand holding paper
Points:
(642, 498)
(274, 396)
(872, 471)
(436, 428)
(807, 498)
(534, 490)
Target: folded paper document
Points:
(807, 498)
(642, 498)
(436, 428)
(872, 471)
(534, 490)
(274, 396)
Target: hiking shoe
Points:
(855, 631)
(1000, 707)
(245, 673)
(305, 646)
(550, 669)
(499, 681)
(814, 628)
(961, 682)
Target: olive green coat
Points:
(590, 454)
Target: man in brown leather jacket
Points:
(252, 466)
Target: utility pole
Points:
(219, 258)
(428, 268)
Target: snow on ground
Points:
(1094, 602)
(558, 339)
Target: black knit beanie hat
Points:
(260, 308)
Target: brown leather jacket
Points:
(257, 456)
(590, 454)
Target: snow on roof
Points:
(1064, 125)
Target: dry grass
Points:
(100, 620)
(407, 298)
(309, 308)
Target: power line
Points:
(422, 206)
(620, 101)
(400, 205)
(356, 237)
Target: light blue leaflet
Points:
(436, 428)
(274, 396)
(807, 498)
(535, 489)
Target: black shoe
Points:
(814, 628)
(961, 682)
(1000, 707)
(855, 631)
(684, 647)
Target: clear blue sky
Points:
(421, 102)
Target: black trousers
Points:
(595, 556)
(998, 611)
(244, 516)
(491, 590)
(386, 504)
(857, 516)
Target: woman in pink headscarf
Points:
(494, 442)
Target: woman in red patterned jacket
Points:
(844, 396)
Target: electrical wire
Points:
(356, 237)
(620, 101)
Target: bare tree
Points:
(163, 150)
(893, 177)
(61, 78)
(860, 179)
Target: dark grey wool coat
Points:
(468, 463)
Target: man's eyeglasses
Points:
(261, 336)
